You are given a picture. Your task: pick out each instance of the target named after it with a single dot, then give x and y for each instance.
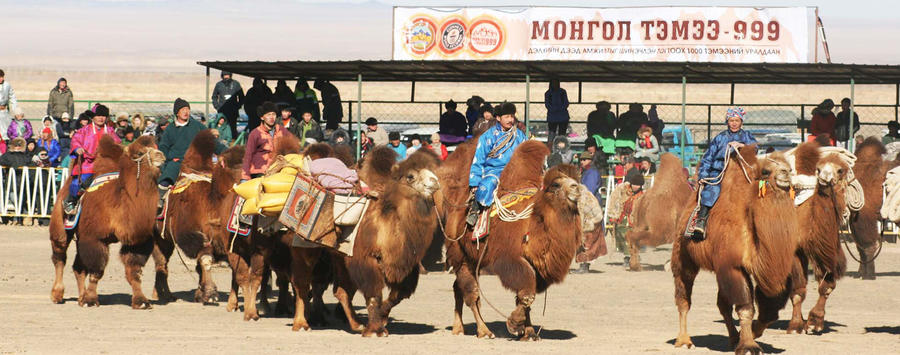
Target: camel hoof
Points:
(368, 333)
(297, 326)
(683, 340)
(751, 348)
(515, 324)
(89, 301)
(232, 306)
(530, 335)
(484, 333)
(251, 316)
(796, 327)
(815, 324)
(140, 303)
(457, 330)
(56, 295)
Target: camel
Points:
(821, 217)
(197, 216)
(393, 235)
(528, 255)
(121, 210)
(870, 170)
(656, 214)
(750, 240)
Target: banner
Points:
(650, 34)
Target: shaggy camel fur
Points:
(122, 210)
(196, 218)
(527, 255)
(656, 214)
(750, 239)
(820, 217)
(870, 170)
(393, 235)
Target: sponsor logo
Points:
(485, 36)
(453, 36)
(420, 35)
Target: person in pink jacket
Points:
(84, 146)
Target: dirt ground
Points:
(609, 311)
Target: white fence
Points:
(30, 192)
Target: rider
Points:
(495, 148)
(713, 162)
(84, 145)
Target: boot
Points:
(474, 211)
(70, 205)
(584, 268)
(163, 190)
(700, 225)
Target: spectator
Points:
(60, 100)
(309, 128)
(64, 129)
(365, 144)
(162, 126)
(621, 202)
(485, 121)
(627, 162)
(138, 123)
(220, 124)
(339, 137)
(306, 99)
(2, 146)
(591, 176)
(227, 99)
(41, 159)
(557, 103)
(646, 144)
(601, 126)
(31, 147)
(51, 145)
(8, 103)
(437, 147)
(627, 127)
(653, 121)
(19, 127)
(49, 122)
(256, 95)
(473, 112)
(562, 152)
(121, 124)
(397, 146)
(415, 143)
(823, 122)
(842, 123)
(286, 119)
(150, 129)
(283, 95)
(376, 134)
(893, 133)
(84, 119)
(332, 108)
(128, 136)
(16, 156)
(646, 166)
(452, 125)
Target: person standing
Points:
(64, 129)
(47, 142)
(823, 122)
(627, 127)
(332, 109)
(19, 127)
(842, 123)
(396, 145)
(283, 95)
(257, 94)
(623, 202)
(8, 103)
(376, 134)
(260, 149)
(227, 99)
(220, 124)
(474, 107)
(557, 103)
(85, 142)
(452, 124)
(307, 100)
(60, 100)
(601, 126)
(308, 128)
(592, 243)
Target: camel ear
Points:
(394, 171)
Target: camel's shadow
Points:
(717, 342)
(884, 329)
(499, 330)
(855, 274)
(783, 325)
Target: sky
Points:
(164, 35)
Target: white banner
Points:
(653, 34)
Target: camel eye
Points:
(840, 171)
(766, 172)
(409, 177)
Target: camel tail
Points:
(775, 243)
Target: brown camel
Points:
(122, 210)
(821, 217)
(197, 216)
(528, 255)
(750, 239)
(870, 170)
(393, 235)
(656, 214)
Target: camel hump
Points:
(199, 155)
(287, 144)
(109, 149)
(870, 151)
(233, 157)
(806, 157)
(376, 167)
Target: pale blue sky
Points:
(173, 35)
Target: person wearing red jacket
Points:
(823, 121)
(260, 149)
(437, 147)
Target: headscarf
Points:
(735, 112)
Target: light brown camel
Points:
(393, 235)
(656, 214)
(820, 218)
(750, 239)
(196, 217)
(528, 255)
(122, 210)
(870, 170)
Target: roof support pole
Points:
(732, 94)
(897, 103)
(358, 112)
(850, 141)
(684, 158)
(579, 91)
(206, 100)
(412, 92)
(527, 102)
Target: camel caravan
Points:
(317, 219)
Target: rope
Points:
(138, 162)
(508, 215)
(890, 209)
(444, 232)
(877, 253)
(854, 196)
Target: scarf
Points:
(646, 143)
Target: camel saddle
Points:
(692, 222)
(237, 223)
(512, 198)
(71, 221)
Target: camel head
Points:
(775, 167)
(561, 187)
(417, 172)
(143, 151)
(831, 170)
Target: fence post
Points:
(709, 123)
(802, 118)
(206, 98)
(683, 118)
(850, 140)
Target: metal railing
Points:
(30, 191)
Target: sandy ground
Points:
(609, 310)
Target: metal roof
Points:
(570, 71)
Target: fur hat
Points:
(17, 143)
(585, 155)
(65, 115)
(122, 116)
(101, 110)
(507, 108)
(267, 107)
(179, 103)
(18, 111)
(634, 177)
(371, 121)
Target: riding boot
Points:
(70, 204)
(163, 190)
(700, 225)
(474, 212)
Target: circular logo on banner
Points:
(485, 37)
(420, 35)
(453, 36)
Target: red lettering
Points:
(540, 29)
(698, 30)
(577, 27)
(774, 30)
(624, 27)
(681, 30)
(646, 26)
(591, 25)
(662, 30)
(713, 33)
(559, 30)
(608, 30)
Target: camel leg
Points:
(398, 293)
(162, 253)
(684, 275)
(301, 278)
(134, 257)
(517, 274)
(255, 275)
(366, 274)
(233, 294)
(59, 243)
(376, 321)
(241, 272)
(466, 290)
(207, 292)
(94, 256)
(80, 272)
(634, 250)
(322, 276)
(265, 289)
(726, 310)
(798, 294)
(768, 310)
(735, 288)
(816, 320)
(867, 264)
(344, 290)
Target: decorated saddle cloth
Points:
(71, 221)
(237, 223)
(508, 200)
(186, 179)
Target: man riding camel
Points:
(84, 150)
(713, 162)
(495, 148)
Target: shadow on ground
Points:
(718, 342)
